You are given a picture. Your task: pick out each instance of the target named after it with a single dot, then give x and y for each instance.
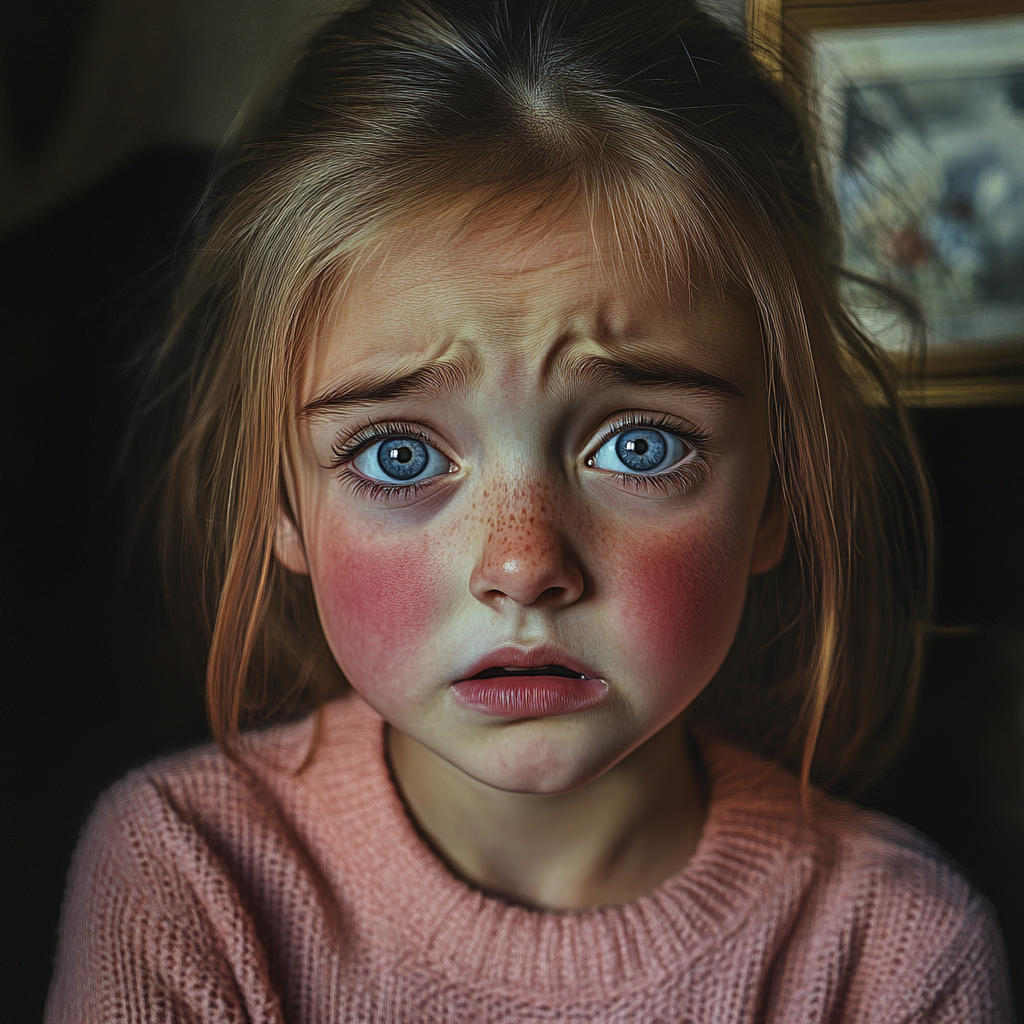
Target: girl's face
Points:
(506, 461)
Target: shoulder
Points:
(876, 861)
(183, 870)
(170, 808)
(917, 937)
(193, 781)
(168, 842)
(869, 914)
(153, 889)
(202, 814)
(152, 809)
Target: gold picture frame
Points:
(891, 54)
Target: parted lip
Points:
(528, 658)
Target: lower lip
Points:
(530, 696)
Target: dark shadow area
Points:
(40, 52)
(960, 777)
(96, 680)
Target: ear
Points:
(288, 546)
(772, 532)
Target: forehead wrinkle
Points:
(585, 373)
(438, 379)
(500, 322)
(595, 324)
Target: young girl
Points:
(524, 436)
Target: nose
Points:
(525, 557)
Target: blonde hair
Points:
(655, 121)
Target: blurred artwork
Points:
(924, 127)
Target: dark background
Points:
(95, 678)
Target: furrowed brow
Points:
(592, 372)
(435, 380)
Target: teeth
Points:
(515, 668)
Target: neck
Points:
(611, 841)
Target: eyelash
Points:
(680, 479)
(343, 452)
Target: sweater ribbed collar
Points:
(402, 894)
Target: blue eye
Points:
(640, 450)
(401, 460)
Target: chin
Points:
(531, 759)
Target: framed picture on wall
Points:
(921, 109)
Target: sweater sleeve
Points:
(153, 928)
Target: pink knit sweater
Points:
(205, 891)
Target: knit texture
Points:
(203, 890)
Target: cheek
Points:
(678, 597)
(379, 600)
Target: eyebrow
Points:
(442, 380)
(436, 380)
(593, 372)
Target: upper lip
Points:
(523, 656)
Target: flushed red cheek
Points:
(379, 602)
(678, 600)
